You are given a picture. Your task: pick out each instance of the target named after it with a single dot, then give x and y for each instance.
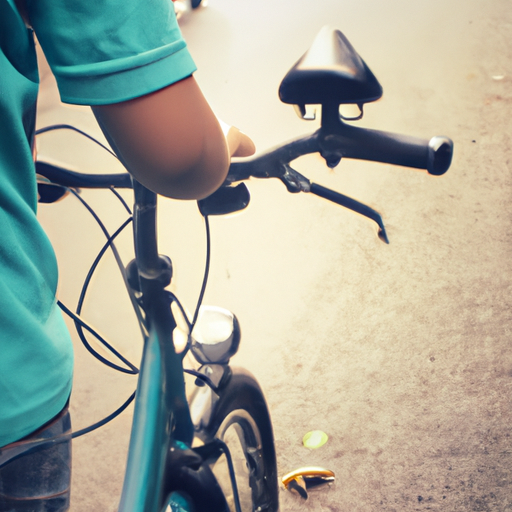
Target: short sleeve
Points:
(107, 51)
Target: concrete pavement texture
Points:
(400, 353)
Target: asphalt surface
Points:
(401, 352)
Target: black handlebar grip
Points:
(440, 151)
(392, 148)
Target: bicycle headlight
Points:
(216, 335)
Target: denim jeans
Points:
(39, 479)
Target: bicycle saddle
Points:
(331, 71)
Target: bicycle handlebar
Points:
(334, 140)
(350, 142)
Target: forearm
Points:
(169, 140)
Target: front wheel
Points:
(242, 421)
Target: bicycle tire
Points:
(242, 405)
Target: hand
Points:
(239, 144)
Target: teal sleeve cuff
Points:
(124, 79)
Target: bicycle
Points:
(176, 444)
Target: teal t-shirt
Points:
(101, 52)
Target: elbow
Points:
(197, 181)
(195, 174)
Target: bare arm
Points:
(170, 140)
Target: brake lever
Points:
(353, 205)
(296, 182)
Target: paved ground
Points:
(400, 353)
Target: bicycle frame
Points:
(161, 410)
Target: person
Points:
(128, 61)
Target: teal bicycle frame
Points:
(161, 411)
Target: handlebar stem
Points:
(145, 233)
